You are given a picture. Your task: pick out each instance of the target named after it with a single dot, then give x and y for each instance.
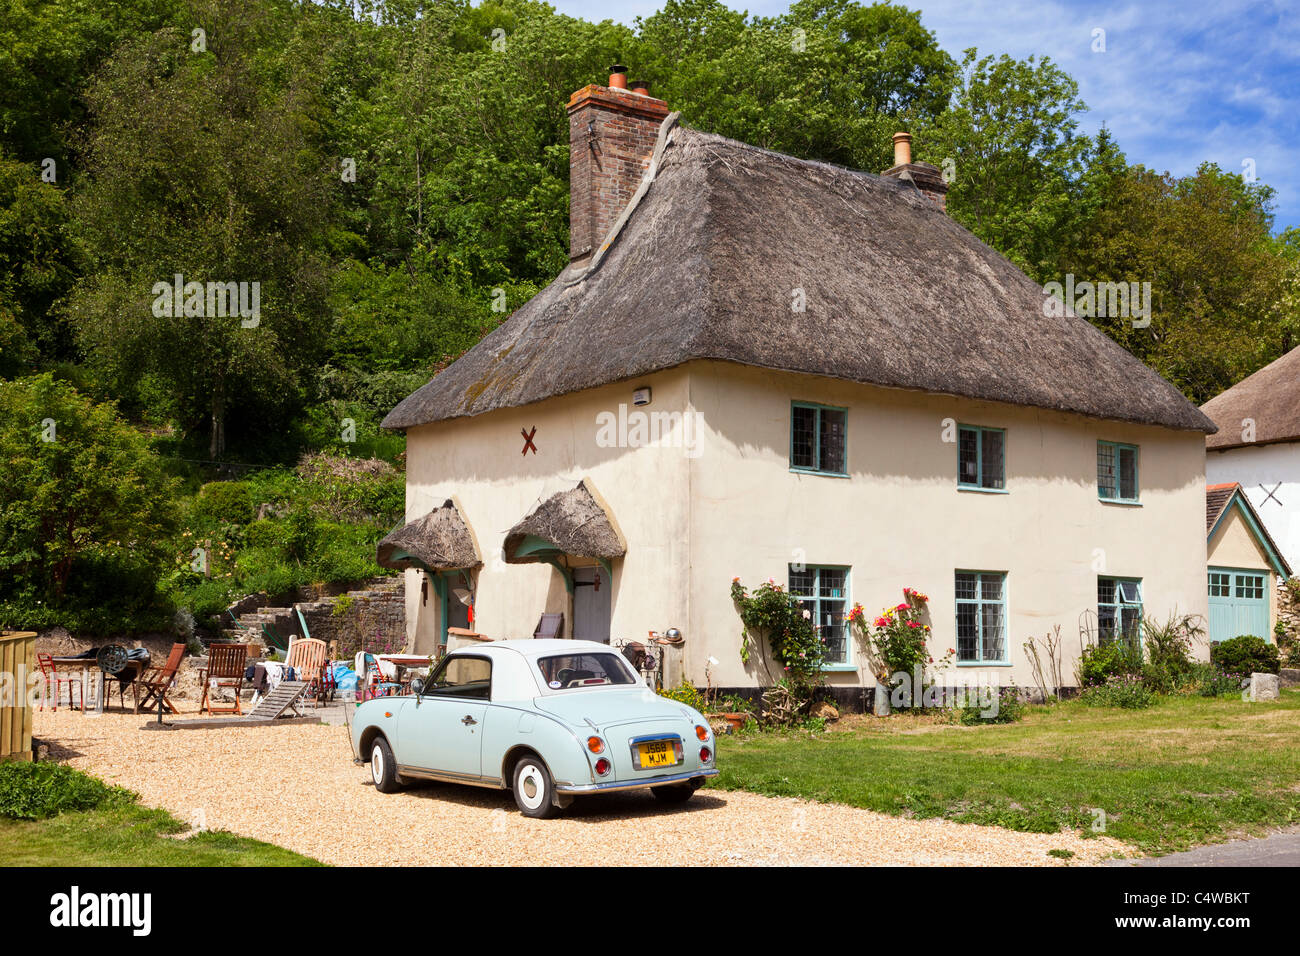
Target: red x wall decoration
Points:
(528, 441)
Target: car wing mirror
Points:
(417, 687)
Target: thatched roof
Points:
(439, 541)
(1219, 498)
(576, 522)
(1270, 398)
(706, 267)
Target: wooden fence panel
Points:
(17, 662)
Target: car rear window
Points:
(567, 671)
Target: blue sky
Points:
(1179, 82)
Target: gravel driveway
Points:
(297, 787)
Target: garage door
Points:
(1238, 604)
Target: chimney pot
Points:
(617, 77)
(902, 149)
(640, 86)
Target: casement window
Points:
(1119, 609)
(981, 617)
(818, 439)
(981, 461)
(1117, 471)
(824, 593)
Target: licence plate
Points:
(658, 753)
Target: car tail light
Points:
(701, 732)
(595, 745)
(705, 755)
(602, 766)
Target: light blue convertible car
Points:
(550, 720)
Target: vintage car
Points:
(548, 719)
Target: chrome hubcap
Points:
(377, 764)
(531, 787)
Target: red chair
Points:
(51, 674)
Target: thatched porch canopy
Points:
(440, 541)
(574, 523)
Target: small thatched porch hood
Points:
(575, 522)
(708, 261)
(440, 541)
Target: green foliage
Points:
(222, 502)
(35, 791)
(896, 642)
(85, 508)
(1100, 662)
(1010, 709)
(1245, 655)
(1168, 647)
(1210, 680)
(688, 694)
(773, 615)
(1123, 690)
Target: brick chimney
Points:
(926, 177)
(612, 133)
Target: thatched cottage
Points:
(758, 366)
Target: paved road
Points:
(1279, 849)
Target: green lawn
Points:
(130, 835)
(1189, 770)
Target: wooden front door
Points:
(591, 605)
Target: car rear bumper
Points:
(614, 785)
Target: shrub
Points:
(896, 642)
(1123, 690)
(223, 502)
(1245, 655)
(1010, 709)
(35, 791)
(772, 613)
(688, 694)
(1168, 647)
(1210, 680)
(1100, 662)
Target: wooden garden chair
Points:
(50, 671)
(225, 671)
(158, 681)
(307, 658)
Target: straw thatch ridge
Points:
(1270, 398)
(440, 541)
(708, 267)
(576, 521)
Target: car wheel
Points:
(534, 792)
(677, 793)
(383, 768)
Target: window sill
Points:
(1126, 502)
(983, 663)
(839, 668)
(820, 474)
(984, 491)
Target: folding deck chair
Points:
(225, 671)
(158, 681)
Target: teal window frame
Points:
(978, 484)
(1118, 604)
(817, 598)
(1115, 449)
(979, 602)
(817, 441)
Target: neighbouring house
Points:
(1244, 566)
(758, 366)
(1258, 446)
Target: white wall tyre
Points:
(383, 768)
(534, 792)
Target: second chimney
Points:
(927, 178)
(612, 134)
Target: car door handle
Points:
(467, 720)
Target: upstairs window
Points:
(981, 462)
(1117, 471)
(818, 439)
